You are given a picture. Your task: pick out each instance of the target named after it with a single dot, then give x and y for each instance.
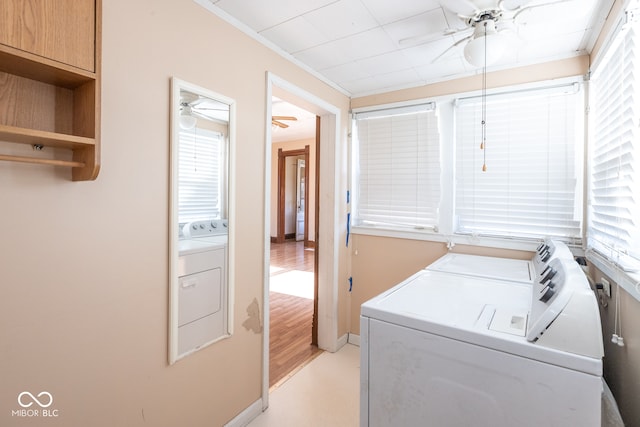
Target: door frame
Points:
(327, 250)
(282, 155)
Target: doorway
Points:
(326, 250)
(292, 269)
(293, 200)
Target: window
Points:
(614, 208)
(397, 167)
(201, 154)
(532, 186)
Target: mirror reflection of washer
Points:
(202, 280)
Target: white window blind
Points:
(614, 208)
(397, 167)
(199, 180)
(532, 186)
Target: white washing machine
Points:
(202, 284)
(443, 349)
(515, 270)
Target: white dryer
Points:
(202, 294)
(515, 270)
(442, 349)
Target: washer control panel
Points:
(205, 228)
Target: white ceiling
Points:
(372, 46)
(364, 47)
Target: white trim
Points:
(459, 239)
(630, 282)
(250, 413)
(267, 248)
(341, 342)
(354, 339)
(262, 40)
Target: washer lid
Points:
(434, 297)
(516, 270)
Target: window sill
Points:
(630, 282)
(456, 239)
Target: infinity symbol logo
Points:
(35, 399)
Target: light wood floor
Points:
(290, 316)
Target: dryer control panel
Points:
(564, 311)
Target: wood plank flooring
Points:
(290, 316)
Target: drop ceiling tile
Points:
(445, 68)
(295, 35)
(324, 56)
(385, 11)
(386, 63)
(342, 18)
(346, 72)
(551, 47)
(366, 44)
(398, 79)
(360, 86)
(260, 15)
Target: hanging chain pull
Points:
(483, 144)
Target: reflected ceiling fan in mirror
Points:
(486, 27)
(194, 106)
(278, 121)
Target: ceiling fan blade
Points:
(195, 113)
(195, 107)
(458, 43)
(279, 124)
(511, 5)
(427, 38)
(460, 7)
(284, 118)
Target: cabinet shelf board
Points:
(38, 137)
(28, 65)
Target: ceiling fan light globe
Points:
(474, 50)
(187, 122)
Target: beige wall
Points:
(288, 146)
(84, 265)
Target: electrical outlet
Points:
(606, 287)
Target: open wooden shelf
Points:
(39, 137)
(50, 80)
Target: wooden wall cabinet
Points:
(50, 53)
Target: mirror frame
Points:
(176, 86)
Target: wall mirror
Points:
(201, 291)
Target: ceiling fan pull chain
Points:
(483, 144)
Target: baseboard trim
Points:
(246, 416)
(354, 339)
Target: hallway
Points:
(291, 300)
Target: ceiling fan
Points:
(193, 106)
(483, 24)
(277, 121)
